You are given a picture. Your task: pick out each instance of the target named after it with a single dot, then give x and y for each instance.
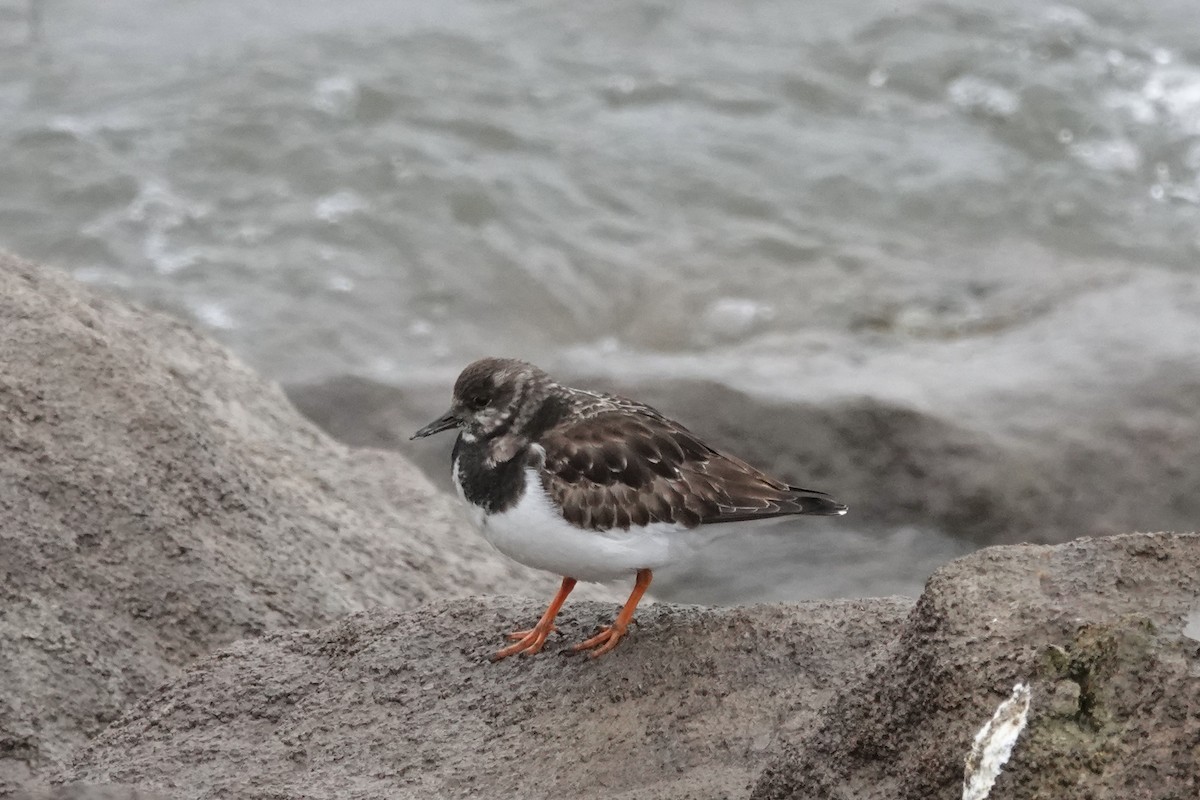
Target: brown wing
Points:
(617, 469)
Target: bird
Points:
(593, 486)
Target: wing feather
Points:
(615, 469)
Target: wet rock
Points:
(387, 704)
(1130, 463)
(158, 499)
(1094, 628)
(922, 489)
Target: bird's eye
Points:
(477, 401)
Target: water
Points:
(976, 209)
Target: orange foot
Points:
(609, 636)
(529, 642)
(603, 641)
(532, 640)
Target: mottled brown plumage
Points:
(618, 483)
(624, 464)
(607, 461)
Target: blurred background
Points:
(938, 258)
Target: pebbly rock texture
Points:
(399, 705)
(157, 499)
(1103, 631)
(87, 792)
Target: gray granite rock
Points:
(158, 499)
(396, 705)
(1099, 631)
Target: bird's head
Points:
(495, 399)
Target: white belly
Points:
(534, 533)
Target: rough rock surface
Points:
(158, 499)
(1098, 629)
(80, 791)
(396, 705)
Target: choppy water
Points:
(383, 186)
(937, 202)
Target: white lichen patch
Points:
(1191, 628)
(994, 744)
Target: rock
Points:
(895, 466)
(157, 499)
(366, 413)
(922, 489)
(1097, 630)
(397, 705)
(80, 791)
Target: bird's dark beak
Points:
(443, 423)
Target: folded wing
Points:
(618, 469)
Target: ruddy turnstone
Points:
(592, 486)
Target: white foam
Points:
(339, 205)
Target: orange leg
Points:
(608, 637)
(531, 641)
